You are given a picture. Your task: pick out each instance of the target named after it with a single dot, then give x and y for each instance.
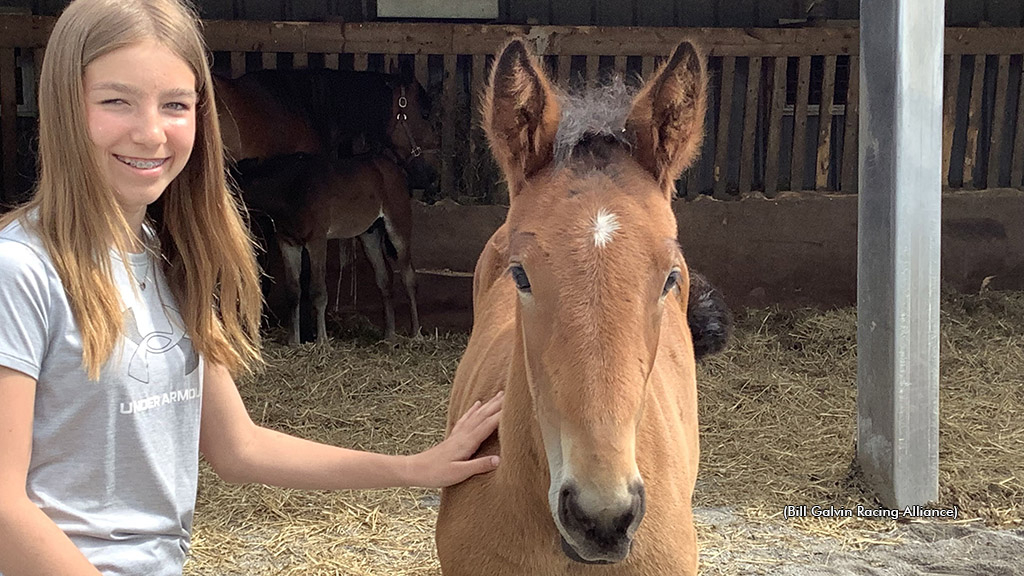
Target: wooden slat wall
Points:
(752, 126)
(8, 121)
(741, 13)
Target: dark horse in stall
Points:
(277, 112)
(272, 115)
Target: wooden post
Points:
(974, 121)
(771, 169)
(828, 90)
(749, 126)
(721, 168)
(852, 128)
(448, 145)
(796, 172)
(949, 98)
(998, 121)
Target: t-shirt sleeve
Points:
(24, 302)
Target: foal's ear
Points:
(667, 118)
(520, 114)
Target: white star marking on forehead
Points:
(605, 226)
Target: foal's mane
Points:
(594, 118)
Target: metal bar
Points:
(899, 227)
(721, 168)
(771, 169)
(824, 155)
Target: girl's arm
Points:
(30, 543)
(240, 451)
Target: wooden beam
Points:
(749, 136)
(796, 171)
(771, 169)
(721, 167)
(851, 147)
(269, 60)
(593, 69)
(949, 107)
(974, 121)
(999, 117)
(360, 61)
(438, 38)
(421, 69)
(824, 155)
(564, 69)
(1017, 169)
(448, 134)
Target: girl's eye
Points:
(671, 282)
(178, 106)
(113, 102)
(520, 278)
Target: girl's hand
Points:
(446, 463)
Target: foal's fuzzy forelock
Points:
(600, 112)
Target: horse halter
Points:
(402, 119)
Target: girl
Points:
(129, 296)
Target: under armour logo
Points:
(157, 342)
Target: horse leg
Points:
(342, 261)
(373, 244)
(318, 285)
(291, 254)
(404, 261)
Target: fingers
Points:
(480, 412)
(473, 467)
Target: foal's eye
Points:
(520, 278)
(673, 281)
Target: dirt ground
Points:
(923, 548)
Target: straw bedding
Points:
(778, 417)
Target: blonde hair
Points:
(207, 251)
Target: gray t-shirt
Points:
(115, 461)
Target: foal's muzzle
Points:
(602, 536)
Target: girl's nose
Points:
(149, 127)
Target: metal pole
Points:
(898, 248)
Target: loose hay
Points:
(778, 418)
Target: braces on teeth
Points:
(143, 164)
